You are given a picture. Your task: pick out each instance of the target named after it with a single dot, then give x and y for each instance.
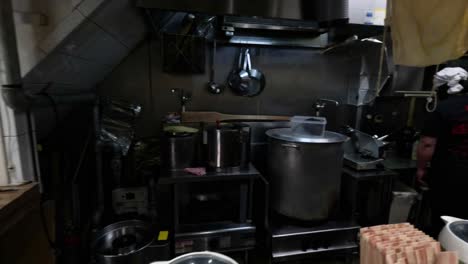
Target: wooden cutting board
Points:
(212, 117)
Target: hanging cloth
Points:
(428, 32)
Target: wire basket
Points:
(183, 53)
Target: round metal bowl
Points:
(122, 242)
(205, 257)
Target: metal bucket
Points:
(179, 150)
(304, 173)
(228, 145)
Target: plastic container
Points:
(308, 126)
(369, 19)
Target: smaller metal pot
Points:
(180, 150)
(228, 145)
(124, 242)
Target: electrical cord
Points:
(44, 225)
(82, 156)
(42, 197)
(150, 74)
(43, 92)
(52, 245)
(382, 52)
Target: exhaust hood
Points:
(323, 12)
(298, 23)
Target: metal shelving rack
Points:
(240, 235)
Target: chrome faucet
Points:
(321, 103)
(184, 97)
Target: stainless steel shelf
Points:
(221, 175)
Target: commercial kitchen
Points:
(233, 131)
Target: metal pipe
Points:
(9, 62)
(4, 177)
(323, 100)
(99, 211)
(359, 111)
(35, 158)
(321, 103)
(9, 70)
(10, 73)
(418, 95)
(415, 92)
(46, 100)
(16, 98)
(410, 121)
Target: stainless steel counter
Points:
(397, 163)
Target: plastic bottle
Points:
(369, 19)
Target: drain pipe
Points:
(10, 74)
(100, 200)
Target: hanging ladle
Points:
(213, 87)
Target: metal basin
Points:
(123, 242)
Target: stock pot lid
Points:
(181, 131)
(288, 135)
